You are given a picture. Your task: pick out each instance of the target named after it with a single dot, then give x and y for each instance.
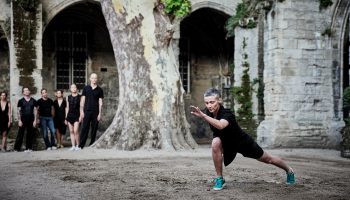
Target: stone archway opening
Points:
(205, 58)
(4, 63)
(76, 43)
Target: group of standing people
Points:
(55, 116)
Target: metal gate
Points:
(71, 58)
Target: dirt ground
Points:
(159, 174)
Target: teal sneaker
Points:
(219, 183)
(290, 178)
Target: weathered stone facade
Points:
(301, 105)
(4, 48)
(303, 68)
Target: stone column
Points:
(298, 96)
(16, 51)
(250, 38)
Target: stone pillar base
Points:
(299, 134)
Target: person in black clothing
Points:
(90, 109)
(229, 139)
(46, 113)
(5, 119)
(60, 105)
(73, 117)
(27, 118)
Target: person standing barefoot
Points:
(5, 119)
(73, 117)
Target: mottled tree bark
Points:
(151, 108)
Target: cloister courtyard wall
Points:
(298, 50)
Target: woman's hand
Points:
(197, 112)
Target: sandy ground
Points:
(159, 174)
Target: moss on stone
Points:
(25, 31)
(325, 3)
(243, 97)
(246, 15)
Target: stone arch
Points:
(338, 26)
(205, 55)
(76, 42)
(226, 7)
(52, 8)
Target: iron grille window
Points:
(71, 58)
(184, 62)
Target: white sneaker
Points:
(54, 148)
(28, 151)
(72, 149)
(49, 149)
(77, 148)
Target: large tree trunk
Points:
(151, 108)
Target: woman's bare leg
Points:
(72, 135)
(216, 152)
(4, 137)
(275, 160)
(76, 133)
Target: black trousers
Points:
(90, 119)
(27, 125)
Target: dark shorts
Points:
(246, 146)
(72, 119)
(249, 148)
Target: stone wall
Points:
(298, 78)
(4, 64)
(302, 76)
(25, 52)
(250, 38)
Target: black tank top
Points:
(74, 105)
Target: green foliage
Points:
(244, 45)
(325, 3)
(178, 8)
(346, 104)
(345, 143)
(328, 31)
(346, 98)
(251, 24)
(246, 14)
(243, 97)
(345, 132)
(232, 67)
(233, 21)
